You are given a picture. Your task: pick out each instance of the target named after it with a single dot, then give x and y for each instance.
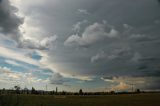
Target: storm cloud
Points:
(9, 21)
(90, 39)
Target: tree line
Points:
(18, 90)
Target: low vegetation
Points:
(143, 99)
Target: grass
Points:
(107, 100)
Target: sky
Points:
(94, 45)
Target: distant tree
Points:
(63, 93)
(80, 92)
(53, 92)
(17, 88)
(112, 92)
(33, 90)
(26, 91)
(138, 90)
(3, 90)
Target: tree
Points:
(80, 92)
(33, 90)
(17, 88)
(26, 91)
(112, 92)
(138, 90)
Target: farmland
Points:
(147, 99)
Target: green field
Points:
(107, 100)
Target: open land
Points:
(149, 99)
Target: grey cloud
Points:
(152, 83)
(57, 79)
(83, 11)
(77, 26)
(142, 67)
(92, 34)
(98, 56)
(118, 53)
(35, 44)
(103, 56)
(157, 21)
(150, 59)
(9, 26)
(136, 43)
(9, 21)
(136, 57)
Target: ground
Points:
(107, 100)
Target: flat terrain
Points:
(107, 100)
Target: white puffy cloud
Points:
(35, 44)
(120, 83)
(123, 83)
(92, 34)
(77, 26)
(120, 87)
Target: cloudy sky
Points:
(96, 45)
